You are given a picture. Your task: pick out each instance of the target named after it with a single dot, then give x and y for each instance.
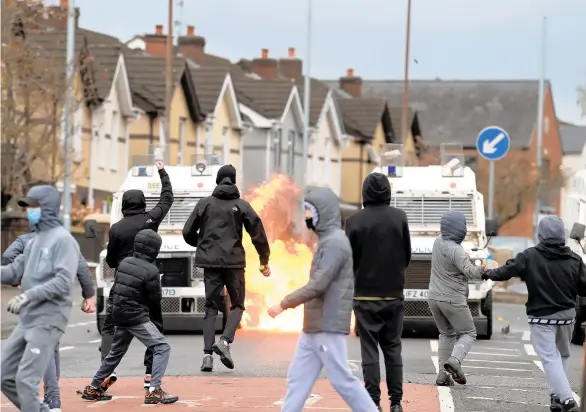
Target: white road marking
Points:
(540, 366)
(445, 399)
(530, 350)
(497, 369)
(444, 393)
(505, 377)
(493, 354)
(526, 335)
(497, 361)
(482, 398)
(434, 345)
(508, 342)
(103, 403)
(62, 348)
(501, 349)
(312, 400)
(510, 389)
(75, 325)
(95, 341)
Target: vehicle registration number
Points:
(416, 293)
(170, 292)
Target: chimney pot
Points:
(64, 4)
(159, 29)
(350, 73)
(190, 31)
(291, 52)
(265, 53)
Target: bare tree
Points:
(34, 85)
(516, 186)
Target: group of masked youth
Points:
(361, 270)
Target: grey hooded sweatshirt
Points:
(47, 267)
(451, 268)
(328, 294)
(84, 277)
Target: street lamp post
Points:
(307, 93)
(540, 129)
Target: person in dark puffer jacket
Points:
(136, 300)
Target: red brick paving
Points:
(224, 394)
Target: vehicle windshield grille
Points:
(180, 211)
(427, 211)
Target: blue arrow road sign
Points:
(493, 143)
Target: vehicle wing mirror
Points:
(577, 232)
(90, 229)
(491, 228)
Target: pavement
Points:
(503, 373)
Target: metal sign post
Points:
(492, 143)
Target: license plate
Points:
(170, 292)
(416, 293)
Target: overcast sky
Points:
(450, 39)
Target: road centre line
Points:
(497, 361)
(530, 350)
(499, 369)
(493, 354)
(526, 335)
(501, 349)
(540, 366)
(63, 348)
(444, 393)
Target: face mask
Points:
(33, 215)
(309, 223)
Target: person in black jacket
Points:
(137, 298)
(215, 228)
(381, 247)
(121, 245)
(554, 276)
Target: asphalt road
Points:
(503, 373)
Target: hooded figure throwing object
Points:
(381, 248)
(215, 228)
(121, 245)
(327, 300)
(137, 298)
(554, 276)
(45, 271)
(451, 270)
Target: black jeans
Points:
(108, 330)
(215, 280)
(380, 322)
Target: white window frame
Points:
(115, 131)
(182, 122)
(77, 135)
(328, 160)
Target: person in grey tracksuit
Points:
(555, 276)
(327, 297)
(451, 270)
(52, 395)
(45, 271)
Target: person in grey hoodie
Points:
(451, 270)
(52, 396)
(555, 276)
(45, 271)
(328, 299)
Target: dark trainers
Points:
(444, 379)
(222, 348)
(555, 405)
(95, 394)
(570, 406)
(54, 404)
(453, 367)
(159, 396)
(147, 381)
(109, 381)
(396, 408)
(208, 363)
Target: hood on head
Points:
(551, 230)
(133, 202)
(376, 190)
(49, 200)
(147, 244)
(226, 172)
(324, 203)
(453, 226)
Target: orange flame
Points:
(277, 202)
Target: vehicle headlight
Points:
(479, 262)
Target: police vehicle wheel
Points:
(486, 309)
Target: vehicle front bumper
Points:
(425, 326)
